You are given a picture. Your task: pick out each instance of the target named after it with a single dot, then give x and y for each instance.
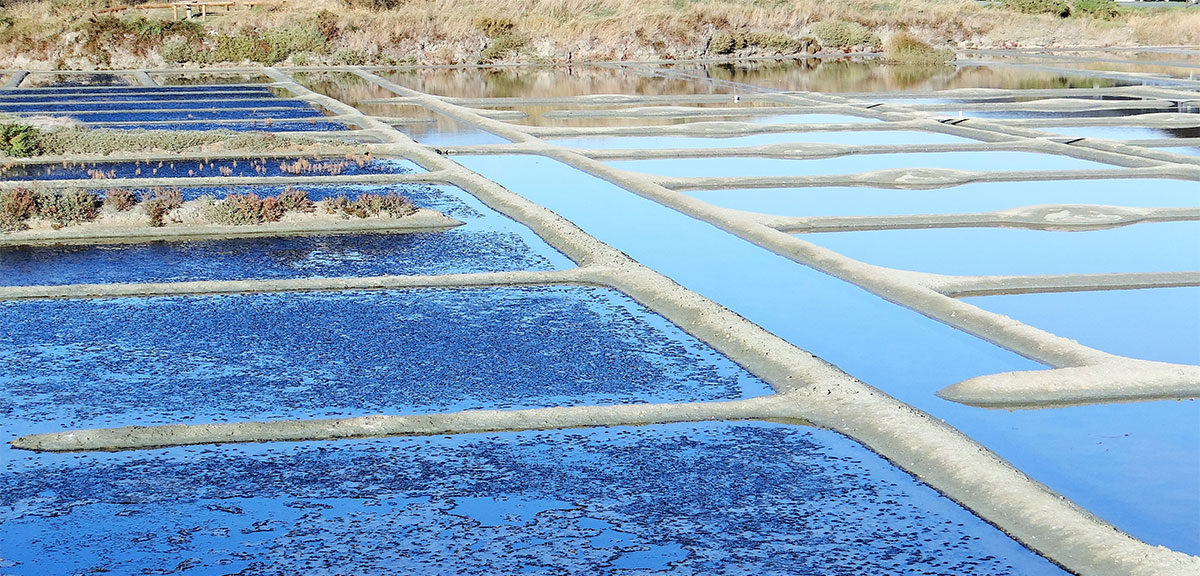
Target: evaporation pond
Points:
(125, 361)
(849, 138)
(1138, 481)
(486, 242)
(973, 197)
(190, 105)
(216, 168)
(1160, 324)
(759, 167)
(688, 499)
(1147, 247)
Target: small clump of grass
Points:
(846, 35)
(160, 203)
(905, 49)
(369, 204)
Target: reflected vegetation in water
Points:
(865, 75)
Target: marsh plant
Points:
(159, 204)
(367, 205)
(248, 209)
(59, 207)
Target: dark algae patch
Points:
(700, 499)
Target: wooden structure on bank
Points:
(191, 9)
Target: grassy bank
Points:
(51, 34)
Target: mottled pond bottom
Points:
(101, 363)
(686, 499)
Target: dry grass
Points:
(453, 31)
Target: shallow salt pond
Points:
(1145, 247)
(487, 242)
(760, 167)
(848, 138)
(116, 362)
(1160, 324)
(972, 197)
(900, 351)
(685, 498)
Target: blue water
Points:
(487, 242)
(1160, 324)
(212, 168)
(184, 94)
(974, 197)
(189, 104)
(711, 498)
(1146, 247)
(206, 114)
(900, 351)
(872, 137)
(310, 125)
(77, 91)
(95, 363)
(982, 161)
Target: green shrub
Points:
(842, 34)
(1053, 7)
(904, 48)
(1102, 9)
(501, 47)
(733, 41)
(178, 51)
(68, 206)
(16, 206)
(160, 203)
(19, 140)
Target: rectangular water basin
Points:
(746, 498)
(1146, 247)
(854, 138)
(127, 361)
(734, 167)
(1144, 484)
(1161, 324)
(973, 197)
